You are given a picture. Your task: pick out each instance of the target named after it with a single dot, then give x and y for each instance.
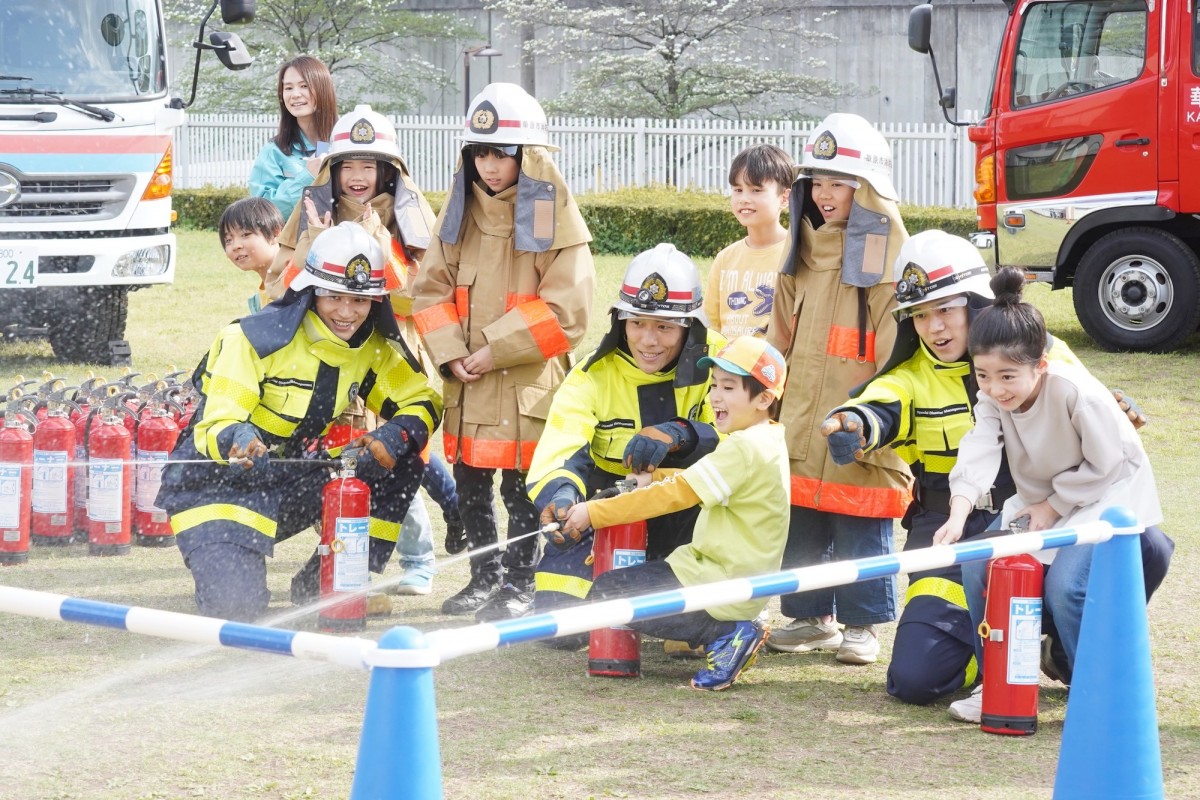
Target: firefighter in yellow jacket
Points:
(502, 299)
(270, 386)
(832, 318)
(636, 403)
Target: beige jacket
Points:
(531, 308)
(815, 323)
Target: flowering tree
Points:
(370, 47)
(674, 58)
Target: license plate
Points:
(18, 267)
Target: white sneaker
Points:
(859, 645)
(969, 709)
(805, 634)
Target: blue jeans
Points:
(415, 544)
(439, 483)
(818, 537)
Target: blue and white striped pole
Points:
(455, 642)
(347, 651)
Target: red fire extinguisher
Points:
(110, 476)
(88, 399)
(156, 437)
(345, 551)
(53, 479)
(1012, 636)
(617, 652)
(16, 483)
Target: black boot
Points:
(471, 598)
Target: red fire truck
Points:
(1087, 160)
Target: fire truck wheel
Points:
(1138, 289)
(84, 327)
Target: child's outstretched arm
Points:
(673, 493)
(952, 530)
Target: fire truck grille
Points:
(52, 199)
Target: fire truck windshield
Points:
(92, 50)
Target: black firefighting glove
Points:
(843, 432)
(649, 446)
(556, 511)
(1130, 408)
(247, 451)
(377, 452)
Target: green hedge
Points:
(622, 223)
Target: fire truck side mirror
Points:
(230, 49)
(234, 12)
(920, 22)
(949, 98)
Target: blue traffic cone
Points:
(1110, 748)
(398, 754)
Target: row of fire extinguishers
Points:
(82, 463)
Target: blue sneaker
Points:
(415, 581)
(729, 656)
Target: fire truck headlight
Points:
(143, 262)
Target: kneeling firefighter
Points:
(639, 401)
(238, 480)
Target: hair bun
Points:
(1008, 284)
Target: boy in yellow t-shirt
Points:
(742, 489)
(741, 283)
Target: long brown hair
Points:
(320, 88)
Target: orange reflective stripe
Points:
(513, 300)
(855, 501)
(434, 317)
(547, 333)
(289, 272)
(843, 343)
(462, 301)
(488, 453)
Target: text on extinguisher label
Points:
(350, 563)
(628, 558)
(1024, 640)
(49, 481)
(106, 494)
(149, 478)
(10, 495)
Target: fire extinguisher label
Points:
(149, 478)
(105, 493)
(628, 558)
(10, 495)
(49, 482)
(350, 564)
(1024, 640)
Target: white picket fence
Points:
(933, 163)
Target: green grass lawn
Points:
(89, 712)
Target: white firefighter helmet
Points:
(505, 114)
(661, 282)
(363, 133)
(934, 265)
(846, 144)
(344, 259)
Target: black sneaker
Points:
(456, 532)
(508, 603)
(470, 599)
(306, 584)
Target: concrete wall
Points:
(891, 83)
